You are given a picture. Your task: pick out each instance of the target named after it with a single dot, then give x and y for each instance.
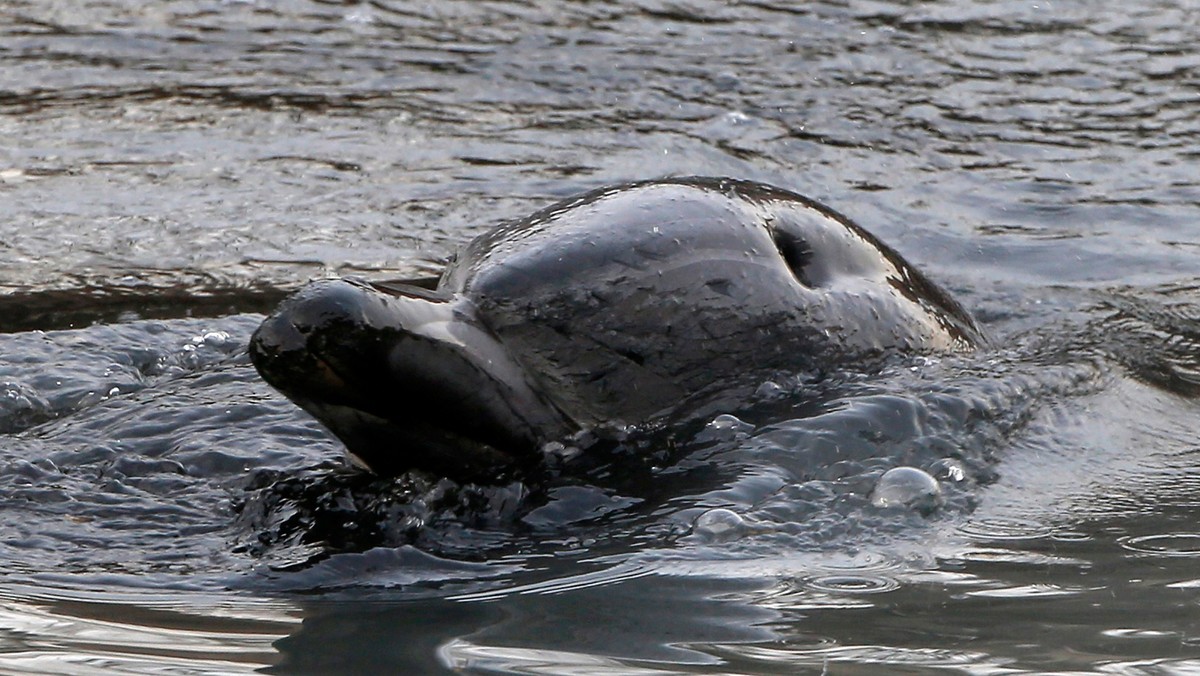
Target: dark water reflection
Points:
(170, 170)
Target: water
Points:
(169, 171)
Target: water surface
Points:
(169, 171)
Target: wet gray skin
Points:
(642, 303)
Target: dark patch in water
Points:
(34, 310)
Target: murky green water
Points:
(169, 171)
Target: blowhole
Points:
(797, 254)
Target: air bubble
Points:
(770, 391)
(907, 487)
(212, 338)
(719, 524)
(949, 469)
(732, 423)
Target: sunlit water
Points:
(168, 171)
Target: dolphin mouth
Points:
(392, 447)
(407, 378)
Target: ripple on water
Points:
(1071, 536)
(1164, 544)
(853, 584)
(1027, 591)
(94, 632)
(461, 654)
(845, 580)
(1004, 528)
(859, 561)
(789, 655)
